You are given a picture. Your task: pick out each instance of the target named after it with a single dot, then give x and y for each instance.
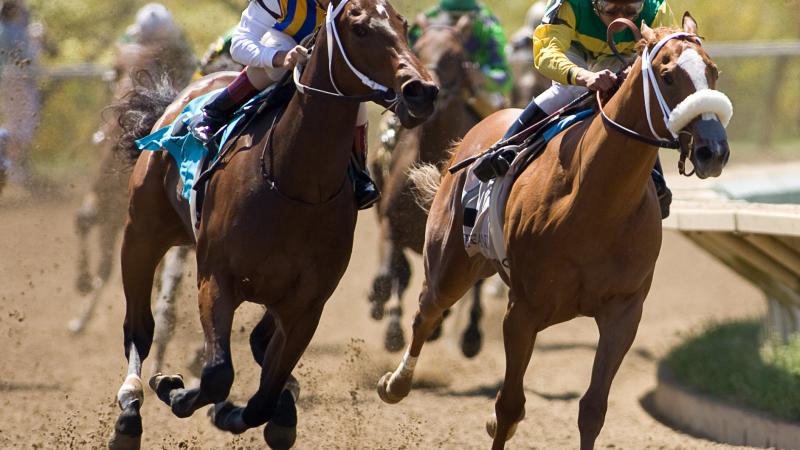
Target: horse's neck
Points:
(313, 141)
(437, 134)
(613, 168)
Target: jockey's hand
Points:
(597, 81)
(287, 60)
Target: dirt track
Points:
(58, 391)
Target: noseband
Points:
(670, 117)
(380, 92)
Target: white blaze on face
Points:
(382, 23)
(692, 63)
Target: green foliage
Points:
(728, 361)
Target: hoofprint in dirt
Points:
(54, 388)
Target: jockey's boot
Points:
(366, 191)
(218, 111)
(664, 194)
(497, 162)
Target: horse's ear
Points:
(647, 33)
(464, 27)
(689, 24)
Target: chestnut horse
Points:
(401, 220)
(276, 228)
(582, 225)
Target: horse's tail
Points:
(140, 109)
(425, 180)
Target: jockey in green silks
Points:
(570, 48)
(485, 48)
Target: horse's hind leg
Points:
(217, 306)
(519, 334)
(401, 275)
(617, 323)
(171, 275)
(448, 276)
(472, 340)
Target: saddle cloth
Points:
(484, 204)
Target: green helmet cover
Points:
(459, 5)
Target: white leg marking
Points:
(131, 389)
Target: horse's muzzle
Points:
(419, 97)
(710, 150)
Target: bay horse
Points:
(401, 220)
(276, 227)
(582, 226)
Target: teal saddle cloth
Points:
(187, 151)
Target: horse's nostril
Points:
(414, 90)
(703, 153)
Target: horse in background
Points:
(152, 46)
(582, 224)
(401, 220)
(528, 82)
(277, 223)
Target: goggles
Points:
(612, 9)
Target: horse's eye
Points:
(667, 77)
(360, 30)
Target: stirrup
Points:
(495, 163)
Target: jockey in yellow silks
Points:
(570, 48)
(267, 41)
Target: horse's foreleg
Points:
(141, 252)
(85, 219)
(261, 335)
(171, 275)
(217, 307)
(274, 402)
(519, 334)
(617, 323)
(381, 290)
(401, 275)
(472, 340)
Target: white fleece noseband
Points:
(700, 102)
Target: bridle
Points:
(379, 93)
(649, 81)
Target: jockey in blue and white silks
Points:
(267, 41)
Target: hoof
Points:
(227, 417)
(381, 291)
(127, 433)
(281, 430)
(395, 340)
(163, 385)
(471, 342)
(491, 427)
(120, 441)
(76, 326)
(84, 284)
(377, 311)
(384, 391)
